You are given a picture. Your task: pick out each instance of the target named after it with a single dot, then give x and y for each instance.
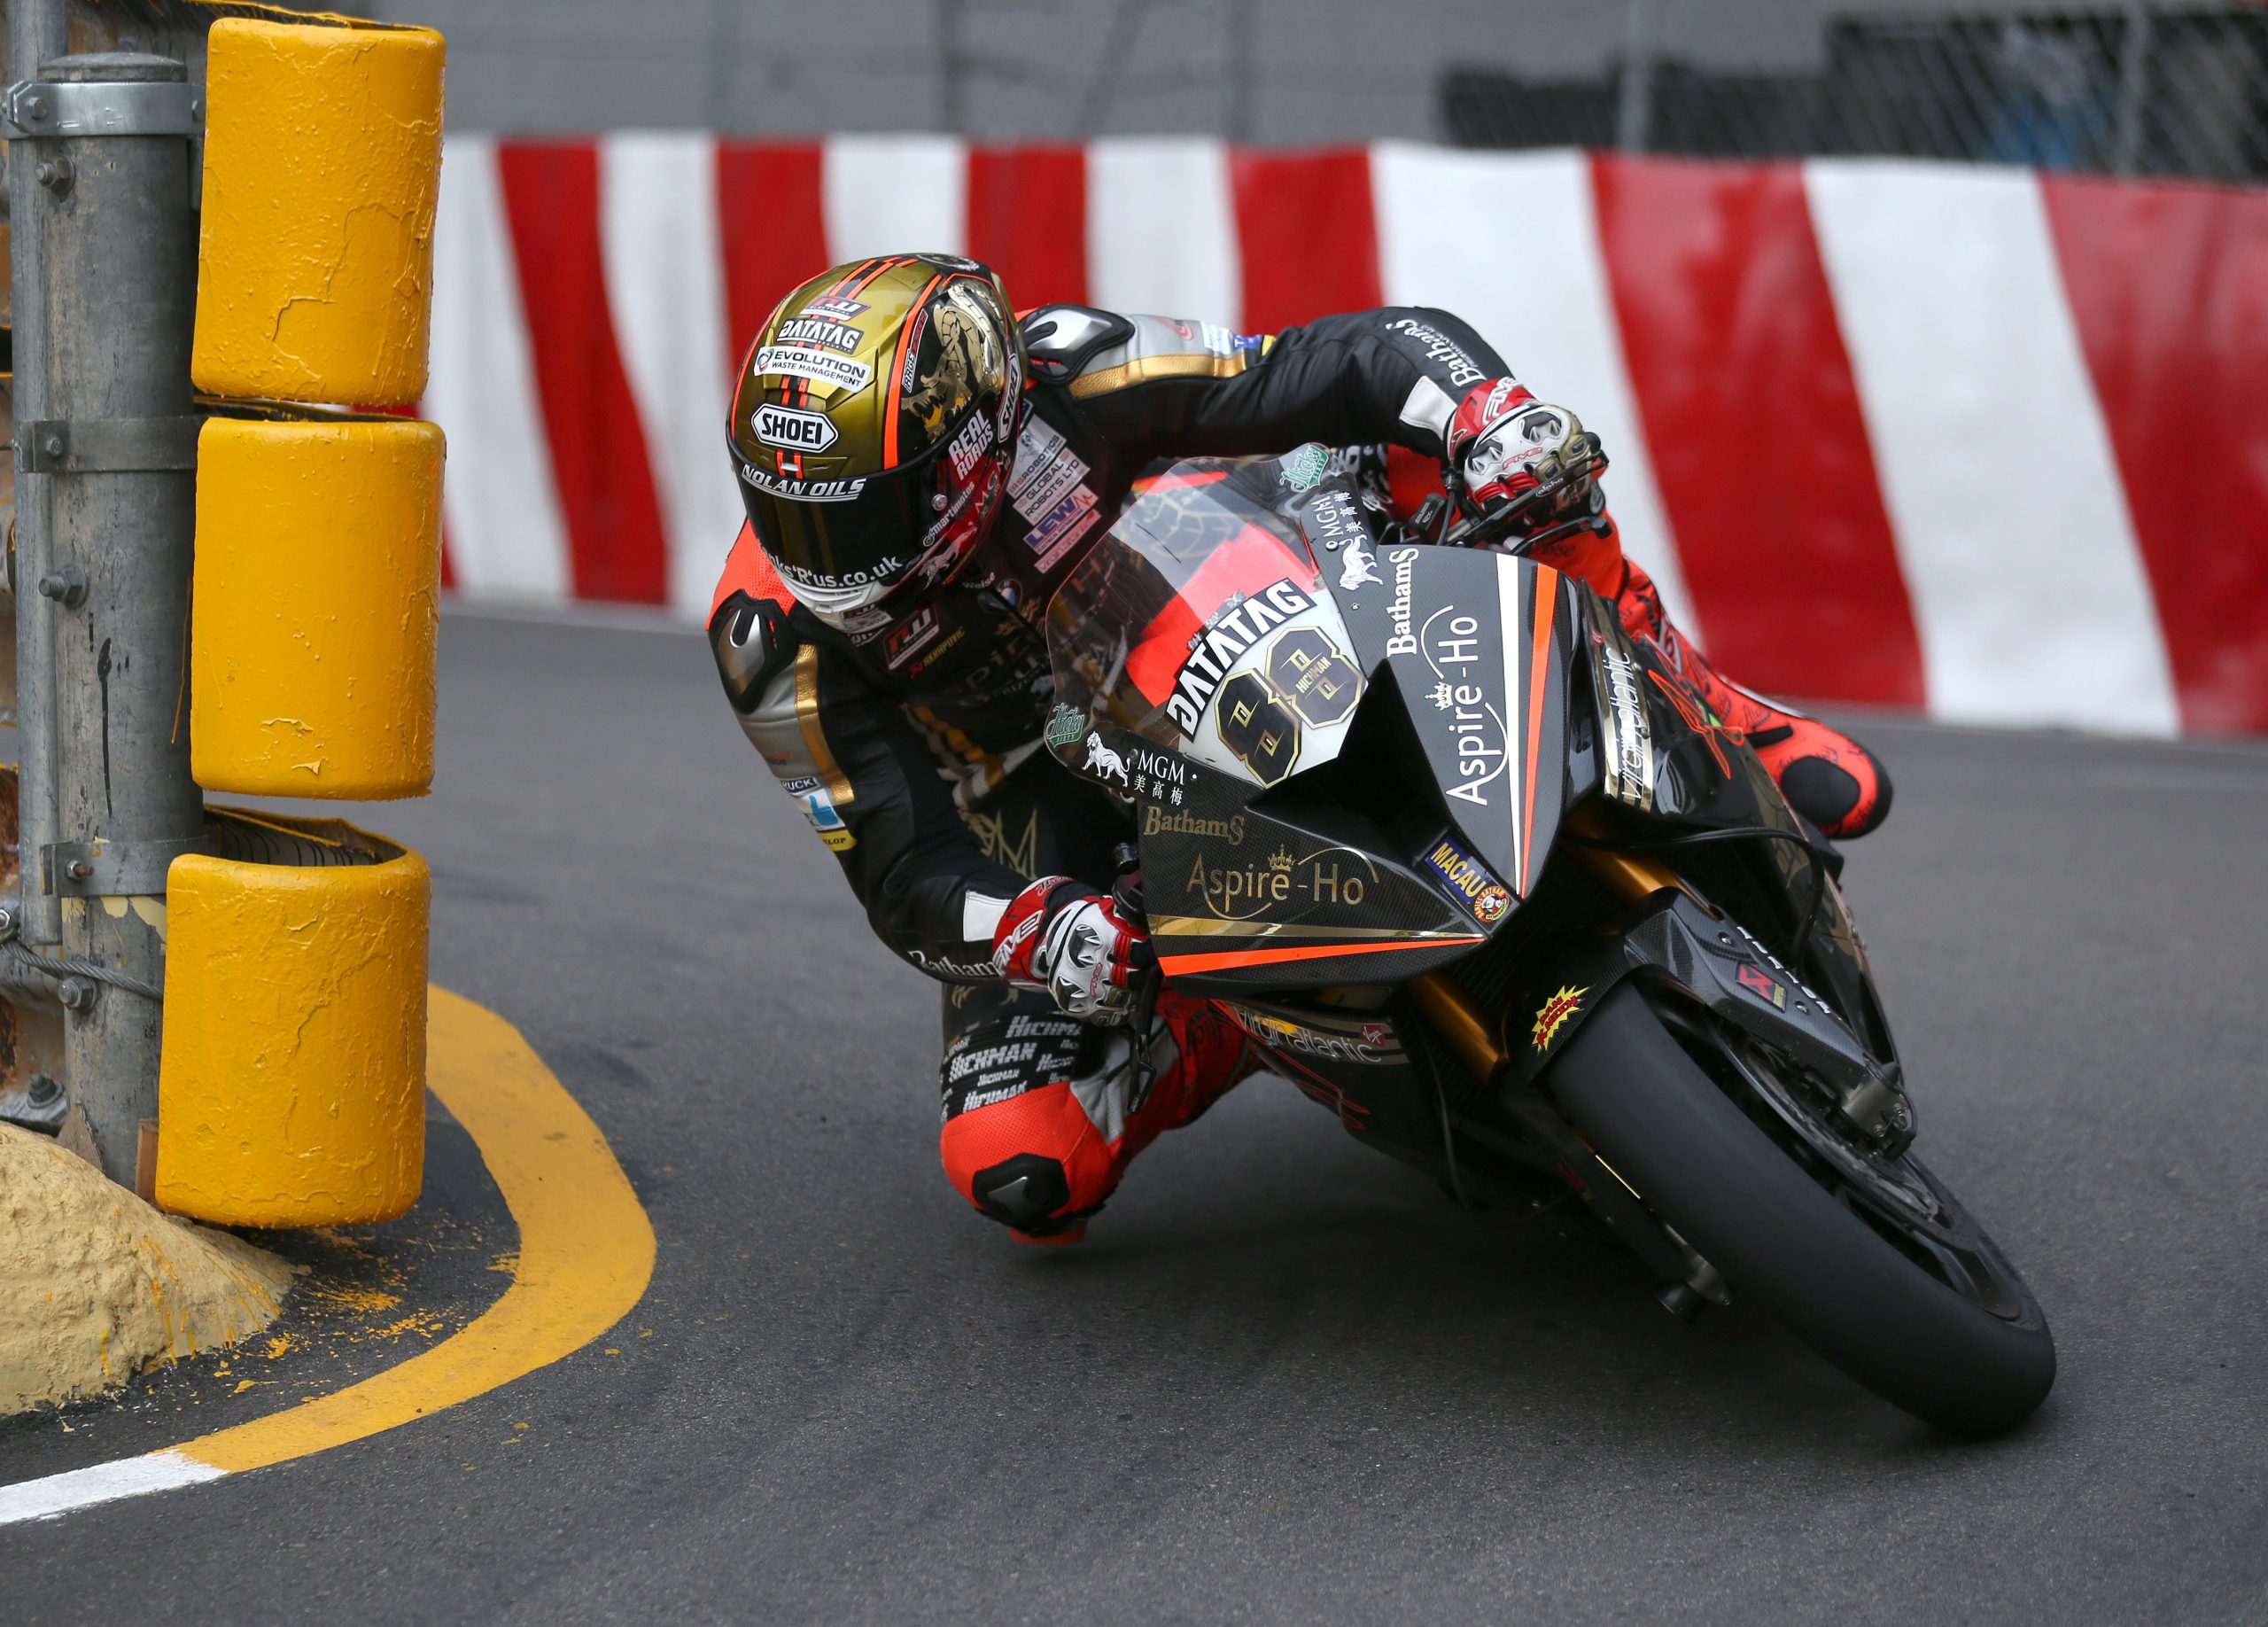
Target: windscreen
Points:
(1201, 591)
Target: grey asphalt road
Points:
(1284, 1380)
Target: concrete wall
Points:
(1270, 71)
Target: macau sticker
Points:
(1481, 892)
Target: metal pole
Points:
(2133, 88)
(36, 30)
(1237, 82)
(724, 68)
(1633, 106)
(953, 67)
(117, 297)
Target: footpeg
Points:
(1681, 1301)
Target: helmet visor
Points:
(842, 545)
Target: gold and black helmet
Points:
(873, 427)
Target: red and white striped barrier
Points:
(1978, 440)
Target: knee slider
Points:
(1026, 1192)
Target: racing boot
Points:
(1042, 1153)
(1203, 1055)
(1827, 776)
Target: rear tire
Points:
(1974, 1363)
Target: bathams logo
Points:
(1443, 350)
(793, 428)
(1173, 822)
(1403, 641)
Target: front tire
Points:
(1951, 1334)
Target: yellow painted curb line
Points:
(587, 1253)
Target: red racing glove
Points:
(1504, 443)
(1057, 936)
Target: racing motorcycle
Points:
(1488, 880)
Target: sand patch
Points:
(96, 1285)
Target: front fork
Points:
(1465, 1026)
(1687, 1280)
(1458, 1018)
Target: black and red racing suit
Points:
(914, 746)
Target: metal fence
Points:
(2128, 89)
(2135, 86)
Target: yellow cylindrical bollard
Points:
(323, 161)
(291, 1089)
(315, 607)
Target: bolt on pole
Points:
(107, 438)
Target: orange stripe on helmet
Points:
(856, 283)
(897, 370)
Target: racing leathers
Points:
(911, 739)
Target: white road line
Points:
(507, 538)
(102, 1483)
(665, 287)
(2011, 521)
(1509, 242)
(1161, 229)
(893, 195)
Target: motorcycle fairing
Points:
(1351, 1059)
(1274, 892)
(1668, 755)
(1216, 579)
(1478, 644)
(1625, 768)
(1716, 963)
(1243, 896)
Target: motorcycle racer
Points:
(922, 469)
